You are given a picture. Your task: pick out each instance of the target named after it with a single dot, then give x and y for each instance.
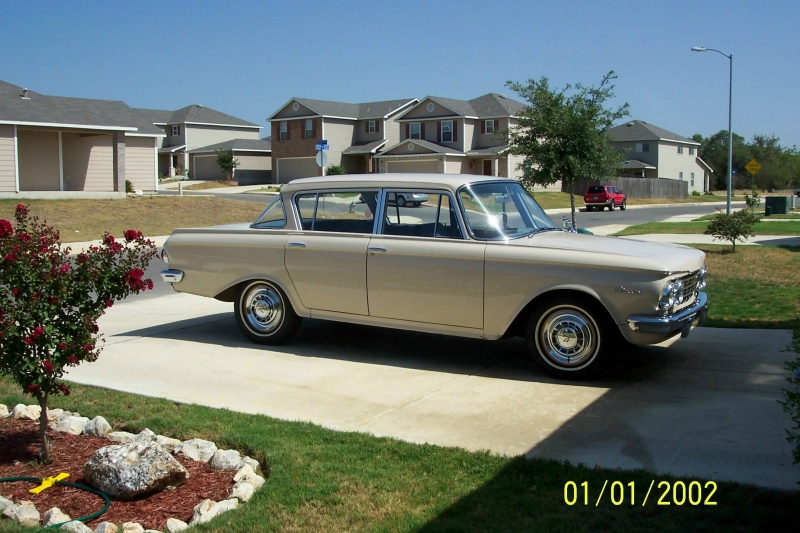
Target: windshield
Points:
(500, 210)
(273, 217)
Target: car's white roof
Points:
(410, 180)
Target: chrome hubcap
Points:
(568, 337)
(263, 309)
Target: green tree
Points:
(227, 162)
(714, 151)
(335, 170)
(737, 226)
(563, 133)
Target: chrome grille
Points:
(689, 290)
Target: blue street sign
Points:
(322, 144)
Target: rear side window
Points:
(273, 217)
(337, 212)
(595, 190)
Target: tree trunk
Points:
(572, 206)
(44, 453)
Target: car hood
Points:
(618, 251)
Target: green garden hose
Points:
(68, 484)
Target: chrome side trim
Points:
(294, 244)
(172, 276)
(681, 321)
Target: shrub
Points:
(50, 302)
(335, 170)
(709, 193)
(129, 187)
(695, 193)
(227, 162)
(752, 200)
(792, 403)
(737, 226)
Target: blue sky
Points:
(249, 58)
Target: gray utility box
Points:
(779, 204)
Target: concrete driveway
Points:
(705, 406)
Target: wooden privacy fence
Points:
(637, 187)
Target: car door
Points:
(421, 269)
(326, 261)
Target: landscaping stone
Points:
(74, 425)
(53, 414)
(120, 437)
(242, 491)
(4, 411)
(132, 527)
(76, 527)
(54, 516)
(25, 513)
(248, 475)
(176, 526)
(171, 445)
(5, 503)
(106, 527)
(248, 461)
(135, 469)
(198, 450)
(151, 531)
(208, 509)
(26, 412)
(226, 460)
(97, 427)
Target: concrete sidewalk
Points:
(705, 406)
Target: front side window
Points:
(273, 217)
(414, 131)
(176, 130)
(447, 131)
(680, 149)
(371, 126)
(420, 214)
(691, 181)
(499, 210)
(284, 131)
(489, 127)
(337, 212)
(309, 129)
(691, 150)
(642, 147)
(680, 176)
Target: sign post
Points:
(322, 157)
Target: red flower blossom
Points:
(52, 300)
(149, 284)
(88, 347)
(108, 239)
(38, 331)
(63, 388)
(15, 291)
(33, 388)
(72, 359)
(48, 366)
(22, 209)
(62, 346)
(132, 235)
(64, 268)
(6, 229)
(95, 329)
(11, 257)
(82, 258)
(109, 303)
(23, 236)
(27, 340)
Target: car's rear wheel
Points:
(264, 314)
(565, 337)
(624, 205)
(401, 201)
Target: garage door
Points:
(426, 165)
(297, 167)
(206, 168)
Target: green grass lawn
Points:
(753, 287)
(697, 227)
(323, 480)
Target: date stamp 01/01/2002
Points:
(675, 493)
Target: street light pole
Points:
(730, 112)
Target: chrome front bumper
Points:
(681, 321)
(172, 276)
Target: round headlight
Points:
(701, 279)
(677, 290)
(667, 299)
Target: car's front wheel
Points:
(565, 337)
(264, 314)
(401, 201)
(624, 205)
(611, 206)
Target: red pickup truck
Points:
(604, 196)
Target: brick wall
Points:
(296, 146)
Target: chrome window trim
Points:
(378, 230)
(278, 198)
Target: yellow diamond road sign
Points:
(753, 166)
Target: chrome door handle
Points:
(297, 244)
(375, 249)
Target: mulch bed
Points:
(19, 449)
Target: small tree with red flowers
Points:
(50, 301)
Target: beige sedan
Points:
(478, 258)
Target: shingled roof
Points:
(195, 113)
(639, 130)
(364, 111)
(244, 145)
(491, 105)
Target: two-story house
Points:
(444, 135)
(653, 152)
(355, 134)
(194, 132)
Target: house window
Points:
(680, 149)
(371, 126)
(308, 130)
(447, 131)
(284, 131)
(691, 150)
(691, 182)
(413, 131)
(488, 126)
(680, 176)
(176, 130)
(642, 147)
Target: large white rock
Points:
(97, 427)
(54, 516)
(135, 469)
(73, 425)
(26, 412)
(120, 437)
(76, 527)
(176, 526)
(63, 416)
(198, 449)
(106, 527)
(248, 461)
(132, 527)
(247, 474)
(208, 509)
(4, 411)
(5, 503)
(226, 460)
(242, 491)
(171, 445)
(25, 513)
